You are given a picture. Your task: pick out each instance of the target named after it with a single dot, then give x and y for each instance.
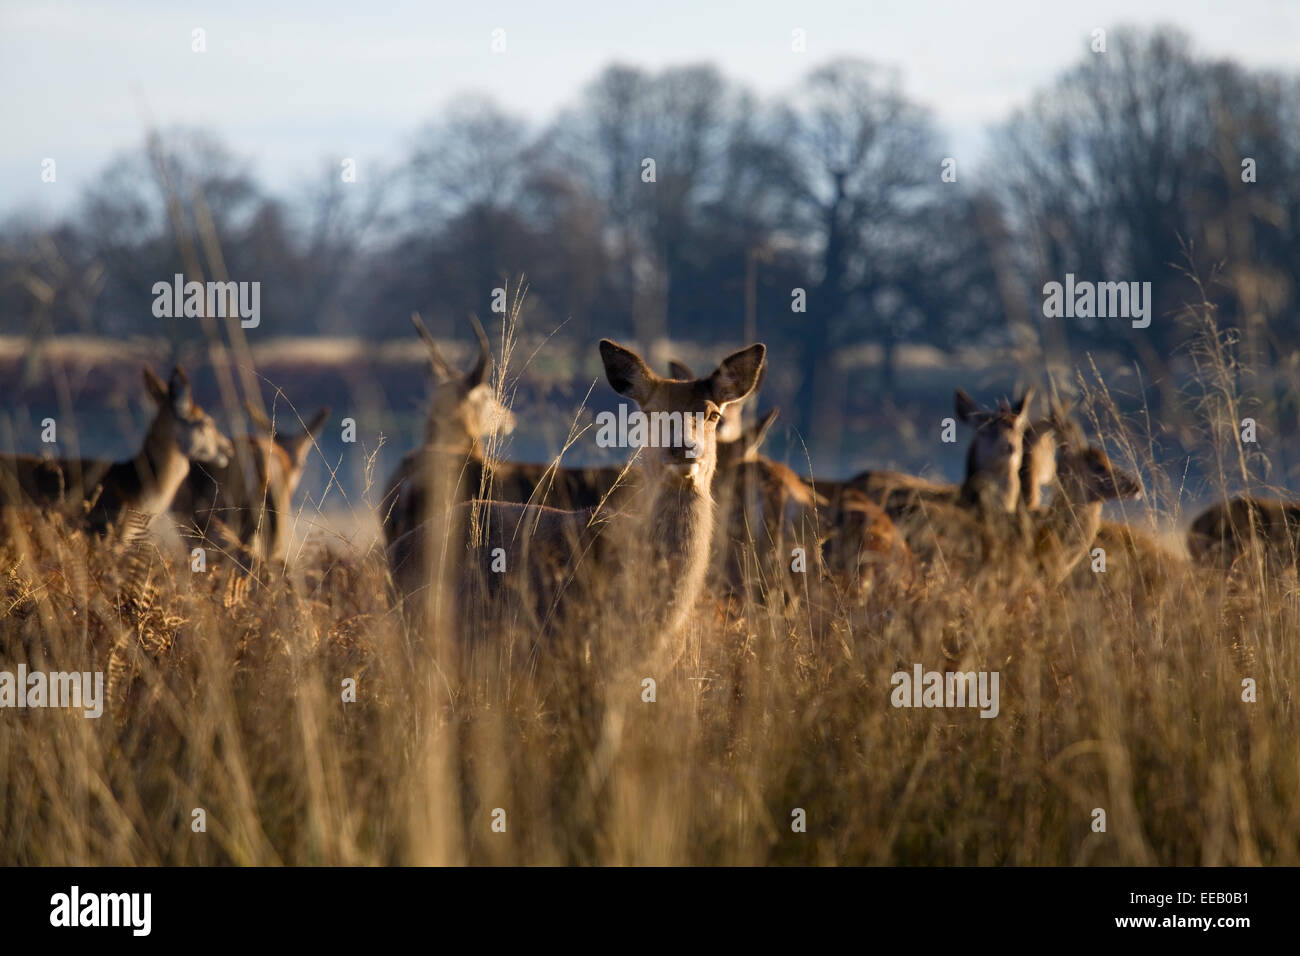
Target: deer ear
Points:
(627, 373)
(967, 410)
(475, 376)
(299, 446)
(318, 421)
(259, 420)
(737, 376)
(155, 386)
(680, 370)
(1060, 414)
(178, 388)
(1021, 408)
(752, 437)
(436, 361)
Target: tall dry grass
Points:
(1120, 691)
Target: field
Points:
(1121, 692)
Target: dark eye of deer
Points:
(715, 417)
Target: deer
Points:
(571, 488)
(762, 506)
(860, 543)
(1227, 530)
(102, 495)
(996, 452)
(993, 465)
(1048, 543)
(250, 497)
(463, 410)
(1130, 552)
(558, 561)
(1064, 531)
(764, 510)
(874, 517)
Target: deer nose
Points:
(225, 449)
(682, 460)
(686, 453)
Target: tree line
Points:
(679, 204)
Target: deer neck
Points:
(989, 494)
(456, 461)
(160, 469)
(1032, 493)
(451, 438)
(673, 541)
(271, 510)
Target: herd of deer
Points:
(708, 513)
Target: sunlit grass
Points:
(1122, 692)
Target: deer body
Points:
(518, 482)
(572, 561)
(560, 562)
(102, 493)
(566, 489)
(993, 467)
(463, 411)
(252, 495)
(1066, 529)
(1225, 531)
(879, 518)
(859, 539)
(765, 510)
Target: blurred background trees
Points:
(1131, 165)
(1127, 168)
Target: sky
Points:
(290, 86)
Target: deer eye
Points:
(715, 416)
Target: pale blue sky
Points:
(291, 85)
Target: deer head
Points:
(696, 405)
(296, 447)
(1086, 475)
(187, 425)
(464, 408)
(997, 449)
